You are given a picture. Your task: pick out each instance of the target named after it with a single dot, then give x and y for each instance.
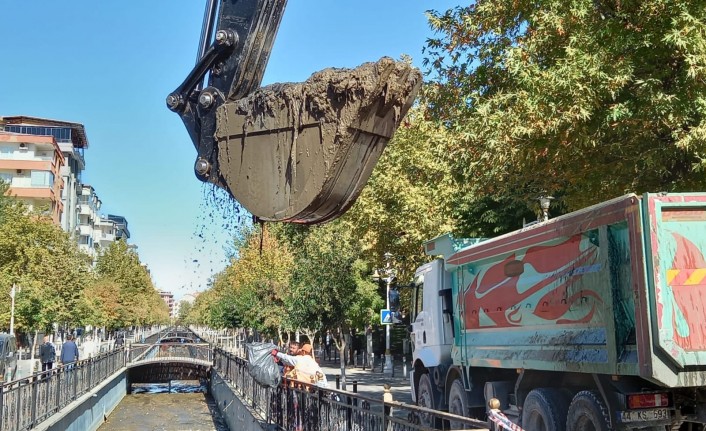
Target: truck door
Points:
(676, 250)
(431, 325)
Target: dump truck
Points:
(594, 320)
(287, 152)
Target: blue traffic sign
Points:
(385, 317)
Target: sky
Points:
(110, 66)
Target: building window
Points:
(61, 134)
(42, 179)
(6, 177)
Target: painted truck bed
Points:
(617, 288)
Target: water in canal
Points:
(181, 406)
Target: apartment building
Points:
(31, 165)
(103, 232)
(168, 298)
(87, 213)
(72, 141)
(121, 230)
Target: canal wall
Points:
(237, 415)
(89, 412)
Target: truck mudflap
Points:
(676, 243)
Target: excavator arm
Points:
(295, 152)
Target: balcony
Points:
(106, 238)
(85, 230)
(84, 209)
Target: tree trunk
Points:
(34, 345)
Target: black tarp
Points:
(261, 364)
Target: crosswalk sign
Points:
(385, 317)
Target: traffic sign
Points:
(385, 317)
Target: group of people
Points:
(299, 364)
(47, 353)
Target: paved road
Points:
(370, 383)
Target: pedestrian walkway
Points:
(370, 383)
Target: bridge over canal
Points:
(80, 397)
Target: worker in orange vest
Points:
(304, 367)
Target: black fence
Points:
(26, 402)
(298, 406)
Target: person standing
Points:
(47, 354)
(69, 351)
(328, 341)
(305, 368)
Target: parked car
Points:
(8, 357)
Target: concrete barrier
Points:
(237, 415)
(90, 411)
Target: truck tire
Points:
(587, 412)
(545, 409)
(425, 398)
(458, 403)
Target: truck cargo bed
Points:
(617, 288)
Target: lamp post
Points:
(544, 202)
(12, 310)
(389, 277)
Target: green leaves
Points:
(44, 264)
(127, 295)
(584, 99)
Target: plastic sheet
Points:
(261, 364)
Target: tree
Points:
(250, 291)
(185, 308)
(138, 302)
(101, 303)
(584, 99)
(329, 285)
(408, 199)
(46, 266)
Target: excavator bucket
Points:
(302, 152)
(297, 153)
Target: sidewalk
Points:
(370, 383)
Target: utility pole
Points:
(12, 310)
(388, 369)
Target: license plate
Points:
(644, 415)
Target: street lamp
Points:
(388, 276)
(12, 310)
(544, 202)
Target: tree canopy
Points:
(137, 301)
(583, 99)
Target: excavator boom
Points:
(295, 152)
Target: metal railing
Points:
(294, 405)
(230, 340)
(26, 402)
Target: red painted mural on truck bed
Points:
(534, 287)
(684, 301)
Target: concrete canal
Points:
(159, 407)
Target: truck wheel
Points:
(425, 398)
(587, 412)
(545, 409)
(458, 403)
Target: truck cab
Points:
(432, 328)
